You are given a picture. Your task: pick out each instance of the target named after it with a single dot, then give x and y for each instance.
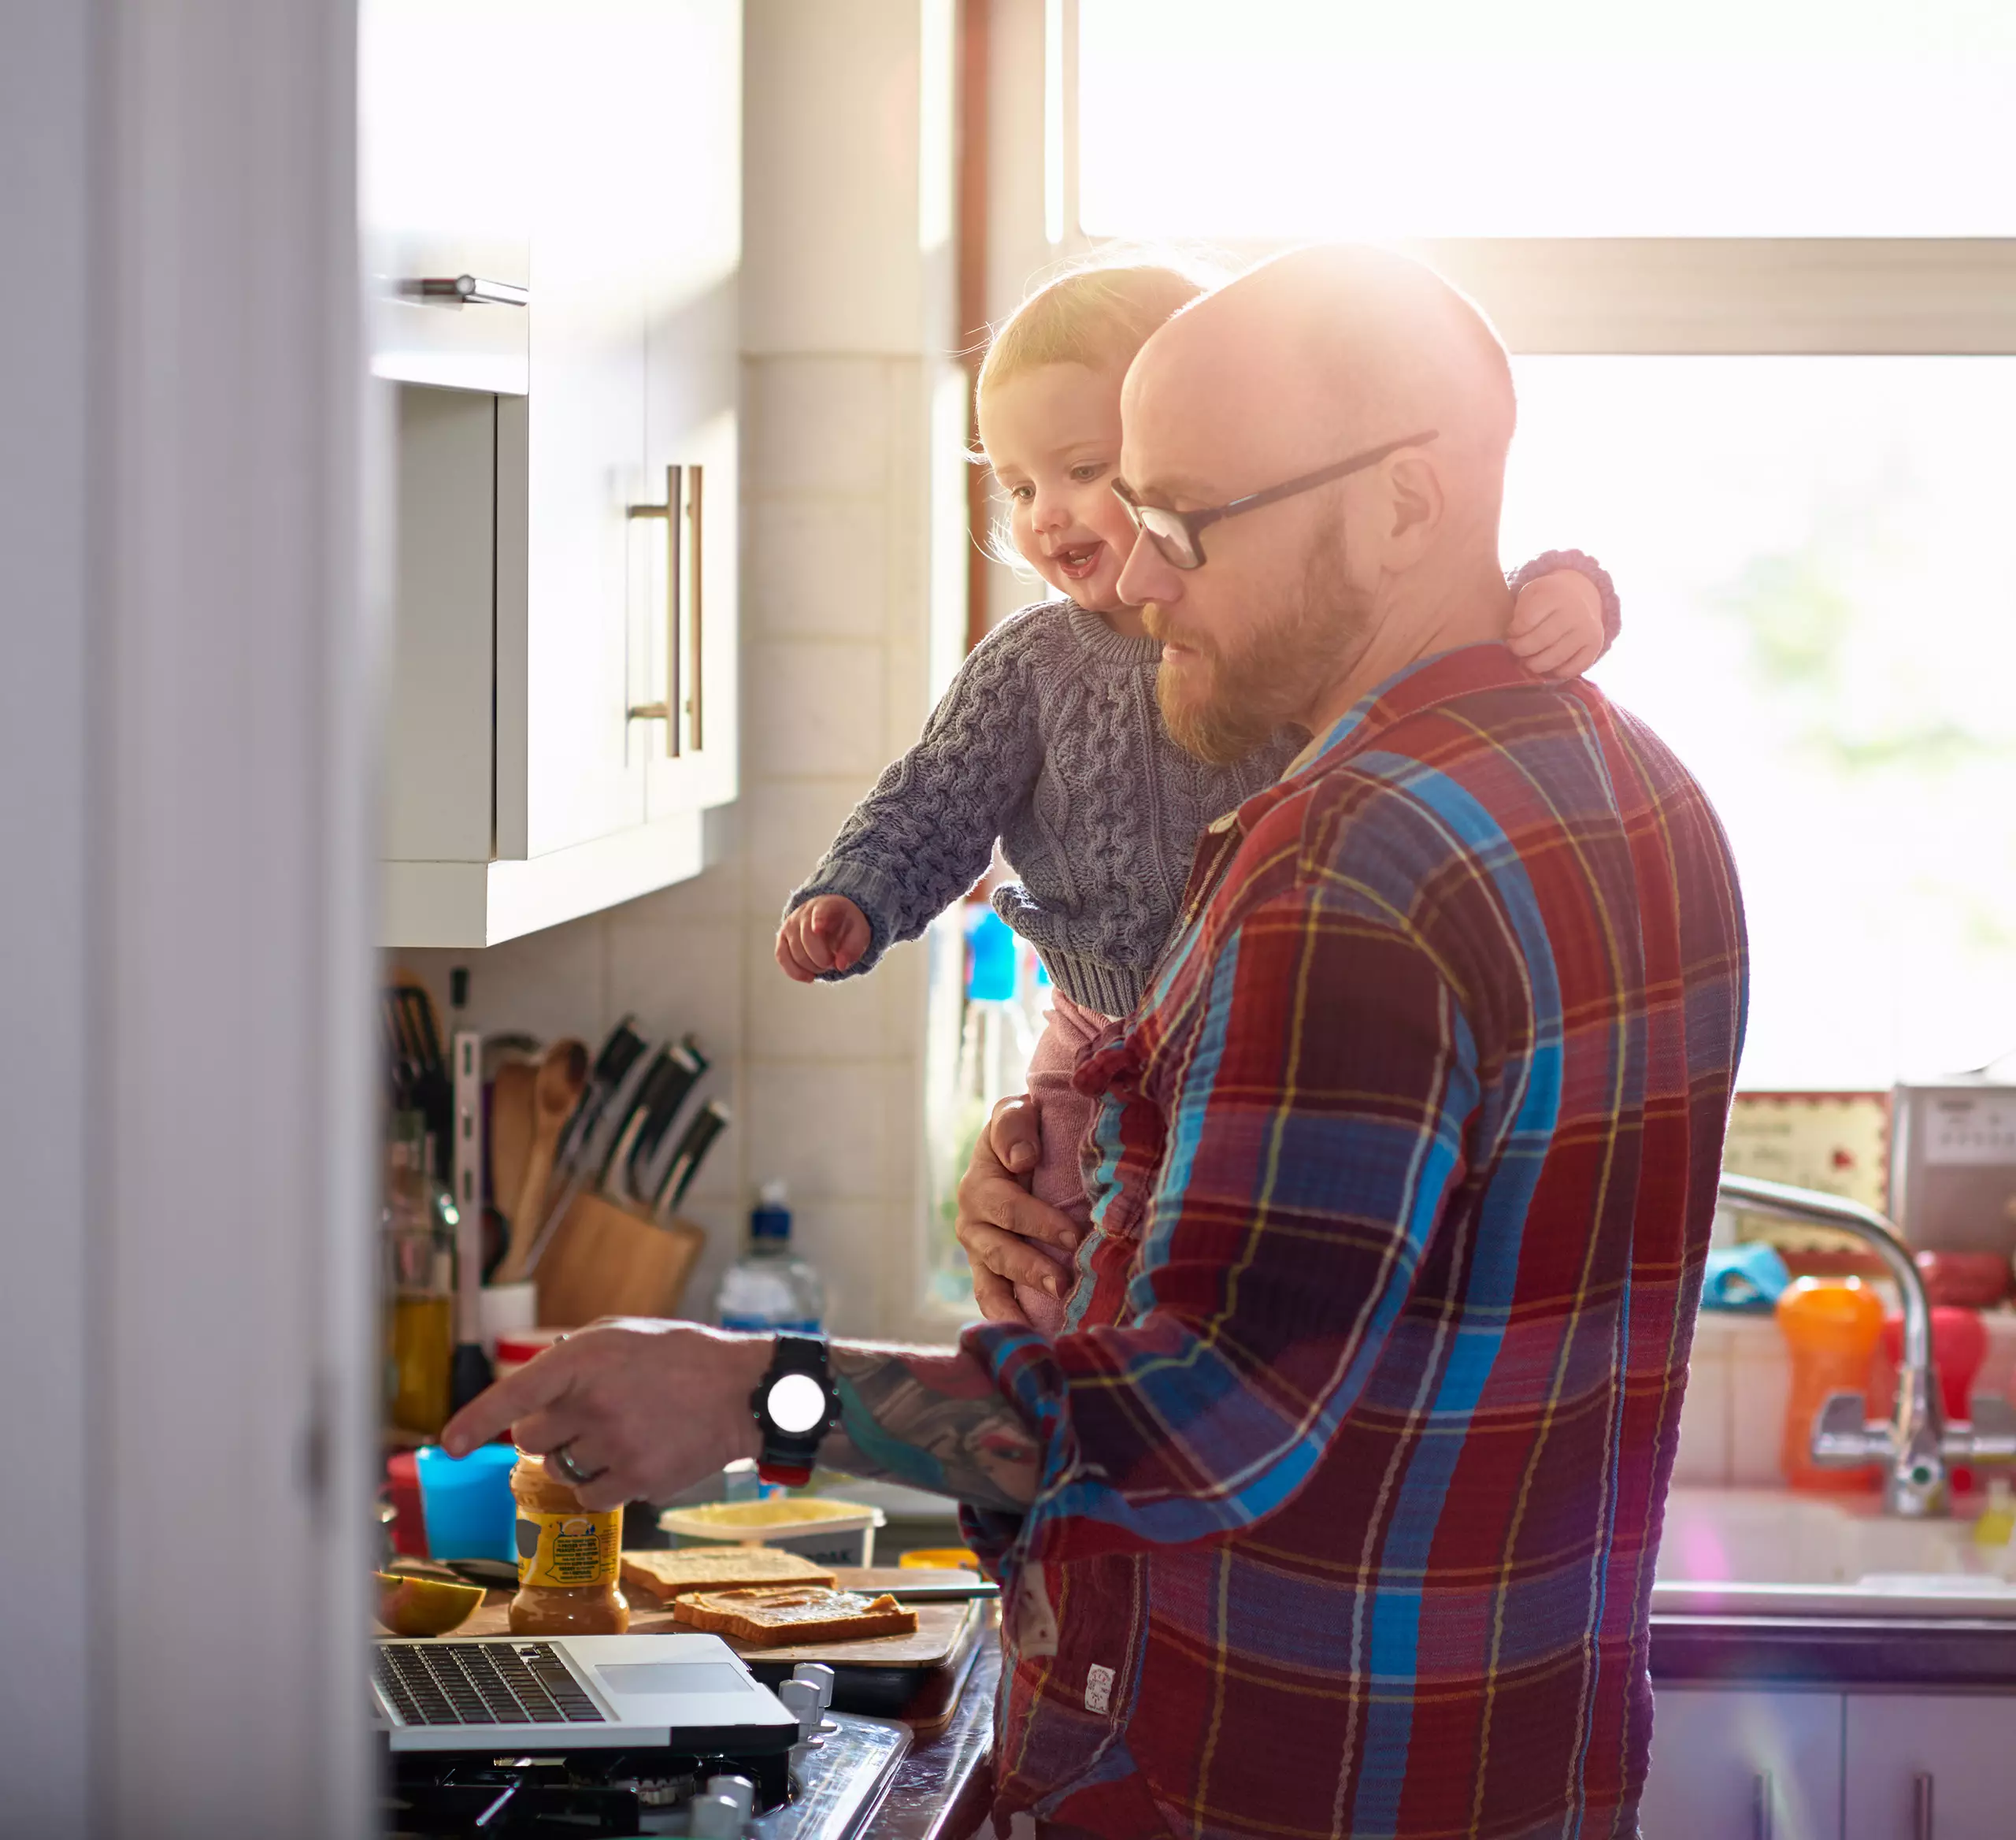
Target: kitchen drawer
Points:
(1931, 1767)
(1744, 1765)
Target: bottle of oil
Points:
(417, 1281)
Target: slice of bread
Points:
(780, 1616)
(666, 1575)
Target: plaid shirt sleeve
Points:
(1313, 1131)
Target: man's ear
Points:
(1415, 506)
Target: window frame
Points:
(1732, 296)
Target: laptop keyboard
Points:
(482, 1683)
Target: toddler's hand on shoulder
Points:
(826, 933)
(1557, 629)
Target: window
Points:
(1820, 620)
(1756, 260)
(1724, 240)
(1552, 118)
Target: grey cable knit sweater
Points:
(1049, 739)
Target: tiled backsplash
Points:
(1732, 1422)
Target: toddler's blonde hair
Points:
(1099, 315)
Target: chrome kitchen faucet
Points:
(1915, 1447)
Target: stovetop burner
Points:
(825, 1791)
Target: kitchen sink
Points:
(1774, 1553)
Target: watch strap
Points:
(788, 1458)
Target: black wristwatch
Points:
(795, 1406)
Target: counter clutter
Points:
(930, 1679)
(527, 1185)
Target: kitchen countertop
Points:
(942, 1790)
(943, 1787)
(1948, 1653)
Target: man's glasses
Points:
(1179, 534)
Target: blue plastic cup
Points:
(471, 1512)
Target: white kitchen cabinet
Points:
(1931, 1767)
(693, 382)
(444, 184)
(1744, 1765)
(563, 693)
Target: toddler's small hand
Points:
(1557, 629)
(827, 933)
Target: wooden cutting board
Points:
(940, 1629)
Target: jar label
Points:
(575, 1550)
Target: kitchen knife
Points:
(683, 1065)
(618, 1072)
(977, 1591)
(400, 1069)
(708, 1124)
(618, 1060)
(627, 1117)
(429, 1089)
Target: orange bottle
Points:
(1831, 1327)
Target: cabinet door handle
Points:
(1921, 1806)
(667, 711)
(697, 603)
(681, 512)
(466, 290)
(1760, 1806)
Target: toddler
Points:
(1049, 739)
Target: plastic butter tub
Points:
(815, 1526)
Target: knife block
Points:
(606, 1259)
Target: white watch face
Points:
(797, 1403)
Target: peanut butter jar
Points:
(569, 1559)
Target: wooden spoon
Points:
(510, 1131)
(557, 1088)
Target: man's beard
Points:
(1283, 664)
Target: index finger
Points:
(537, 1384)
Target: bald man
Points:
(1334, 1510)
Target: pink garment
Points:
(1065, 1113)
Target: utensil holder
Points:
(606, 1259)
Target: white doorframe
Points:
(186, 769)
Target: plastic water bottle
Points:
(769, 1287)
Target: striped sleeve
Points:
(1313, 1137)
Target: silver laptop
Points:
(492, 1693)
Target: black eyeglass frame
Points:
(1195, 523)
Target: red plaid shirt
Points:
(1355, 1457)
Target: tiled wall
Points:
(1732, 1425)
